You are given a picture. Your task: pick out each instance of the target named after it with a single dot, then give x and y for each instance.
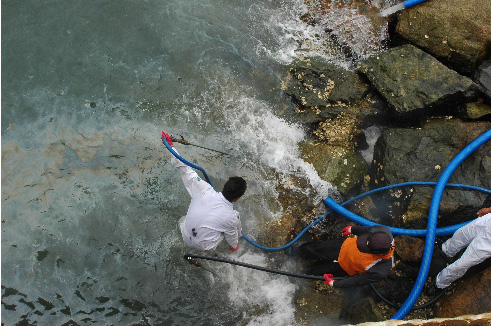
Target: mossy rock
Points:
(341, 167)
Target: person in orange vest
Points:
(368, 257)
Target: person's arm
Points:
(233, 231)
(374, 274)
(484, 211)
(193, 183)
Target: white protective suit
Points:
(210, 216)
(476, 236)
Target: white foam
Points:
(371, 133)
(272, 292)
(353, 29)
(273, 141)
(292, 37)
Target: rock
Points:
(318, 306)
(456, 32)
(470, 296)
(466, 320)
(349, 21)
(297, 201)
(408, 248)
(340, 131)
(483, 77)
(314, 82)
(410, 252)
(476, 111)
(403, 154)
(415, 84)
(341, 167)
(364, 311)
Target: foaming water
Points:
(270, 292)
(349, 22)
(90, 202)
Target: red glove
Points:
(234, 249)
(329, 280)
(347, 230)
(167, 137)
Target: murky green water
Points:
(90, 202)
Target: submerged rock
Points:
(322, 306)
(476, 111)
(415, 84)
(347, 22)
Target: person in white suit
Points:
(476, 236)
(210, 217)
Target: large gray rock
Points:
(422, 154)
(456, 32)
(314, 82)
(415, 84)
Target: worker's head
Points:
(234, 188)
(378, 243)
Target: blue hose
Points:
(164, 141)
(432, 219)
(348, 214)
(430, 232)
(410, 3)
(338, 208)
(399, 6)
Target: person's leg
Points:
(461, 239)
(477, 251)
(327, 250)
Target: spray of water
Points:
(90, 202)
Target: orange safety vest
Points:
(353, 261)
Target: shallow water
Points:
(90, 202)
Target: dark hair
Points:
(234, 188)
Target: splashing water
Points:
(90, 202)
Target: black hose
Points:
(394, 305)
(260, 268)
(191, 257)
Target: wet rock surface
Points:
(423, 153)
(429, 95)
(457, 32)
(415, 84)
(469, 297)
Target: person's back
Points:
(210, 217)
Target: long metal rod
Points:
(185, 142)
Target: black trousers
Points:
(326, 252)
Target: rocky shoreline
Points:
(427, 97)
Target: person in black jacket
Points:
(366, 258)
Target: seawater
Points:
(90, 202)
